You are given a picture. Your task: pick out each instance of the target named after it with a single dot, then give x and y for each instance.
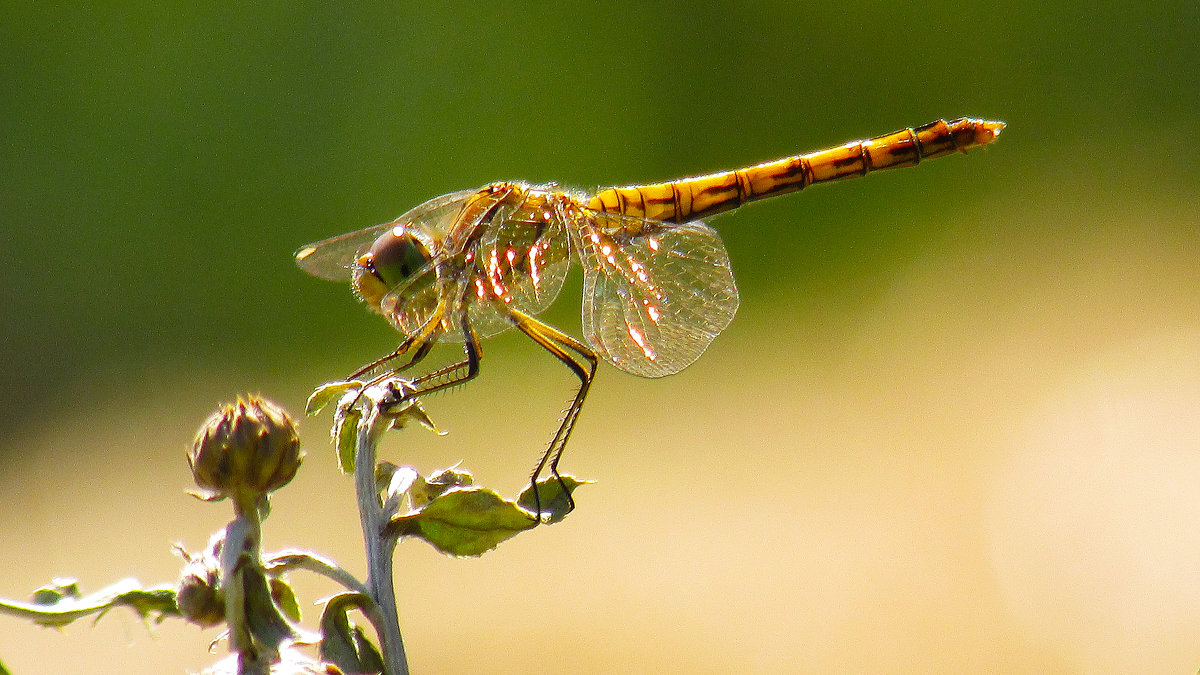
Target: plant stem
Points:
(284, 561)
(242, 537)
(379, 548)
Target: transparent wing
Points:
(655, 294)
(424, 297)
(334, 258)
(522, 260)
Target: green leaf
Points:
(285, 598)
(159, 602)
(264, 618)
(326, 393)
(61, 603)
(343, 643)
(56, 591)
(346, 439)
(555, 502)
(439, 483)
(465, 521)
(414, 412)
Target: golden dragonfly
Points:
(658, 287)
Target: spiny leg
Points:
(418, 344)
(442, 378)
(583, 363)
(446, 377)
(419, 352)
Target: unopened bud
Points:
(245, 451)
(199, 596)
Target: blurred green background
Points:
(953, 429)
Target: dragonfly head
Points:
(393, 259)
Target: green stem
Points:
(290, 559)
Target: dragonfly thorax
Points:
(394, 258)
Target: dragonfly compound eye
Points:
(394, 258)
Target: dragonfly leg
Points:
(418, 353)
(450, 376)
(409, 345)
(420, 343)
(582, 361)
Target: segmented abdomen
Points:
(688, 199)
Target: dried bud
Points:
(245, 451)
(199, 595)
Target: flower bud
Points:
(199, 596)
(245, 451)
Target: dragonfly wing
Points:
(426, 296)
(334, 258)
(521, 260)
(655, 294)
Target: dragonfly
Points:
(657, 283)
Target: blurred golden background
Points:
(954, 427)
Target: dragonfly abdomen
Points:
(689, 199)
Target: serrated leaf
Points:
(554, 501)
(325, 393)
(464, 521)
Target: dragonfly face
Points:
(395, 257)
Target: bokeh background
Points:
(954, 427)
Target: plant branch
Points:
(60, 605)
(292, 559)
(379, 549)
